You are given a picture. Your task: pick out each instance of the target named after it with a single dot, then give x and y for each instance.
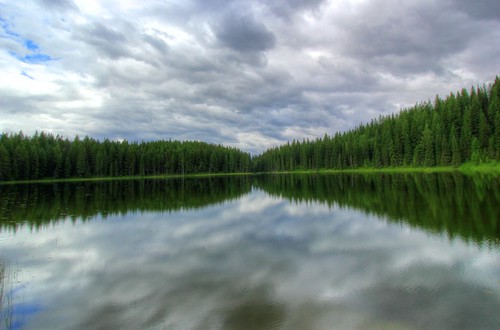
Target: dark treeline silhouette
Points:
(461, 128)
(37, 205)
(454, 204)
(44, 156)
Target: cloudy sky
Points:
(249, 74)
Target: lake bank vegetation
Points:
(461, 132)
(463, 128)
(44, 156)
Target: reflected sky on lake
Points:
(259, 262)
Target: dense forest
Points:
(46, 156)
(464, 127)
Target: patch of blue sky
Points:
(31, 45)
(24, 73)
(6, 28)
(35, 56)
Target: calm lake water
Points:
(263, 252)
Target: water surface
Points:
(266, 252)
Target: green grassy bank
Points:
(492, 168)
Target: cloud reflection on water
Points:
(258, 261)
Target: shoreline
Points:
(466, 169)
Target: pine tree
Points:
(100, 163)
(5, 173)
(34, 163)
(476, 155)
(58, 161)
(475, 114)
(497, 135)
(466, 137)
(484, 131)
(68, 167)
(456, 155)
(428, 146)
(445, 159)
(22, 163)
(82, 165)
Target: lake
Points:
(384, 251)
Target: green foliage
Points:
(44, 156)
(463, 127)
(5, 172)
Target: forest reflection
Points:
(450, 204)
(36, 205)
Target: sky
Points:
(248, 74)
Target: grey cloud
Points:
(105, 39)
(243, 33)
(412, 39)
(217, 5)
(171, 119)
(12, 45)
(16, 103)
(157, 43)
(62, 5)
(211, 70)
(287, 8)
(282, 8)
(482, 9)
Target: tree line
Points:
(46, 156)
(461, 128)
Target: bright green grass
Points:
(492, 168)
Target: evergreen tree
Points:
(22, 162)
(456, 155)
(82, 164)
(445, 158)
(497, 136)
(476, 155)
(5, 173)
(428, 147)
(58, 161)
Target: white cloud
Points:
(235, 66)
